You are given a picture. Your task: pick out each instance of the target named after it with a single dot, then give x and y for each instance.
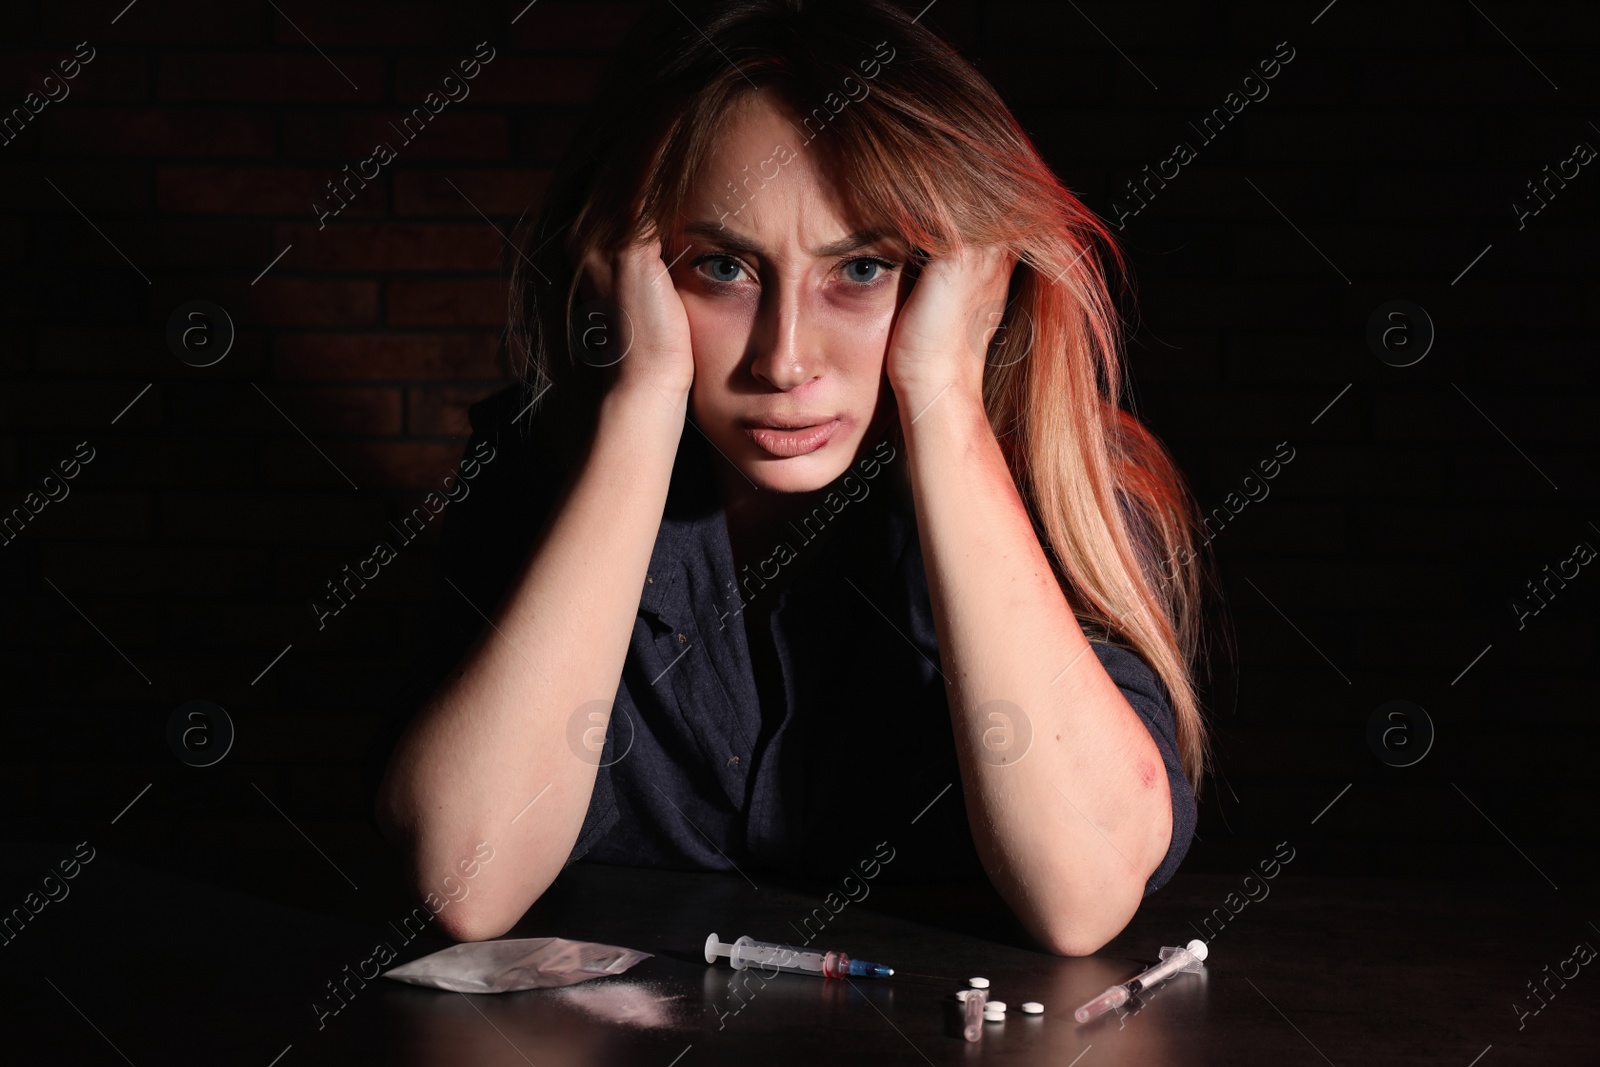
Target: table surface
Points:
(138, 966)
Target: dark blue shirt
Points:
(788, 717)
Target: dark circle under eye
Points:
(723, 262)
(854, 269)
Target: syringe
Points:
(747, 952)
(1174, 960)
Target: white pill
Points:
(1033, 1007)
(995, 1005)
(978, 983)
(962, 994)
(993, 1016)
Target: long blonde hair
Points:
(922, 144)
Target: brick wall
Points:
(185, 162)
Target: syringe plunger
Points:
(1173, 961)
(747, 952)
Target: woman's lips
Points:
(786, 443)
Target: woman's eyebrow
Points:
(727, 238)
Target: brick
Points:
(165, 133)
(13, 242)
(1494, 77)
(1216, 305)
(283, 736)
(96, 189)
(394, 357)
(16, 352)
(1152, 25)
(447, 302)
(328, 791)
(105, 77)
(316, 411)
(1274, 643)
(1174, 358)
(281, 301)
(175, 22)
(278, 78)
(1346, 584)
(309, 302)
(1398, 529)
(1088, 80)
(1399, 198)
(589, 26)
(402, 464)
(505, 80)
(304, 575)
(177, 464)
(19, 788)
(1374, 134)
(342, 135)
(163, 242)
(100, 294)
(254, 625)
(268, 519)
(175, 678)
(543, 136)
(1277, 251)
(1231, 413)
(97, 514)
(1270, 526)
(345, 410)
(1533, 138)
(1431, 25)
(292, 462)
(394, 246)
(1562, 698)
(391, 23)
(105, 569)
(1262, 358)
(1558, 26)
(262, 191)
(442, 411)
(496, 193)
(50, 405)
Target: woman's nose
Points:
(786, 355)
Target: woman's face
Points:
(790, 307)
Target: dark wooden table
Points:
(136, 966)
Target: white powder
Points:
(624, 1003)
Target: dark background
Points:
(1381, 566)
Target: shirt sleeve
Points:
(1149, 698)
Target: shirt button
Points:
(733, 761)
(649, 579)
(682, 639)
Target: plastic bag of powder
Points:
(518, 963)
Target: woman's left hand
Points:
(942, 332)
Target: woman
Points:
(814, 484)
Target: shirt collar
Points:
(693, 524)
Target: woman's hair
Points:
(920, 144)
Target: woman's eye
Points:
(865, 271)
(724, 269)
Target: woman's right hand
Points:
(632, 299)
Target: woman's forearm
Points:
(493, 737)
(1070, 831)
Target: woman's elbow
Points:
(464, 922)
(1075, 940)
(1086, 928)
